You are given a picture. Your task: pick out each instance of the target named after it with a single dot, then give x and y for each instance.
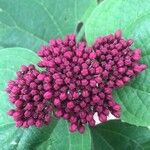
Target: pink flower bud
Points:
(58, 113)
(38, 123)
(47, 95)
(73, 128)
(118, 34)
(81, 129)
(102, 117)
(70, 105)
(19, 123)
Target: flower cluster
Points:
(77, 83)
(30, 93)
(118, 60)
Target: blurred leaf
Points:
(63, 139)
(115, 135)
(32, 23)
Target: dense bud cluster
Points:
(84, 77)
(118, 60)
(30, 93)
(78, 81)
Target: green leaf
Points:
(111, 15)
(134, 19)
(12, 138)
(13, 58)
(115, 135)
(63, 139)
(32, 23)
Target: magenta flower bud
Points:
(129, 42)
(82, 115)
(99, 109)
(84, 72)
(130, 72)
(58, 113)
(83, 104)
(27, 114)
(73, 119)
(19, 123)
(38, 123)
(24, 68)
(79, 53)
(89, 117)
(31, 122)
(18, 103)
(47, 118)
(77, 109)
(70, 105)
(92, 123)
(92, 55)
(111, 103)
(17, 114)
(40, 107)
(99, 70)
(25, 124)
(121, 70)
(92, 83)
(75, 95)
(15, 90)
(47, 95)
(36, 98)
(66, 116)
(52, 42)
(110, 84)
(139, 68)
(116, 114)
(29, 106)
(84, 82)
(76, 69)
(102, 117)
(119, 83)
(63, 96)
(11, 112)
(136, 55)
(96, 99)
(85, 93)
(33, 85)
(57, 102)
(108, 90)
(118, 34)
(73, 127)
(41, 77)
(126, 79)
(116, 107)
(81, 129)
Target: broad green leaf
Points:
(13, 58)
(111, 15)
(5, 75)
(115, 135)
(32, 23)
(134, 20)
(62, 139)
(12, 138)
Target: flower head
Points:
(30, 92)
(77, 82)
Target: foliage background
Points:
(26, 25)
